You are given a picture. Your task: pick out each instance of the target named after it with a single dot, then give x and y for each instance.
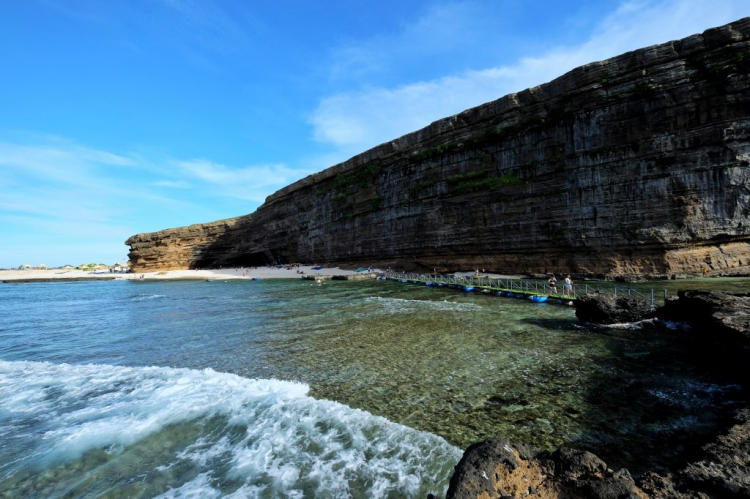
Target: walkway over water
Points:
(535, 290)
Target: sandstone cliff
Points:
(634, 165)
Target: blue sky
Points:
(129, 116)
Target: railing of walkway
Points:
(529, 286)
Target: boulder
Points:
(723, 471)
(603, 308)
(712, 311)
(720, 325)
(495, 469)
(725, 468)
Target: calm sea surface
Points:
(354, 389)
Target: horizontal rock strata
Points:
(180, 248)
(634, 165)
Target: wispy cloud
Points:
(355, 121)
(446, 29)
(53, 181)
(208, 25)
(59, 161)
(58, 193)
(252, 183)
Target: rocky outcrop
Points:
(495, 469)
(180, 248)
(724, 470)
(723, 320)
(605, 308)
(715, 311)
(634, 165)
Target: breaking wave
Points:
(206, 434)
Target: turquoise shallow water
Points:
(354, 389)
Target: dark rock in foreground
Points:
(724, 470)
(713, 311)
(603, 308)
(494, 469)
(722, 325)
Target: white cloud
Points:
(251, 183)
(59, 161)
(55, 193)
(356, 121)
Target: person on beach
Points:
(568, 286)
(552, 282)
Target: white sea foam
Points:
(147, 297)
(399, 305)
(645, 323)
(273, 439)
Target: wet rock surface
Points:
(723, 472)
(497, 469)
(605, 308)
(721, 331)
(721, 322)
(715, 311)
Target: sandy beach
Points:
(240, 273)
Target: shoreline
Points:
(242, 273)
(56, 275)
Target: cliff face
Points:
(177, 249)
(634, 165)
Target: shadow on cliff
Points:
(656, 390)
(239, 246)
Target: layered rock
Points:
(634, 165)
(180, 248)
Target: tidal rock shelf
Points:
(636, 165)
(720, 323)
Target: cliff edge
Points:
(639, 164)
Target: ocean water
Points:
(278, 388)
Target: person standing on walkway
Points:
(568, 286)
(552, 282)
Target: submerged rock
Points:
(603, 308)
(721, 326)
(713, 311)
(723, 471)
(630, 278)
(721, 333)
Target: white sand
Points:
(260, 272)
